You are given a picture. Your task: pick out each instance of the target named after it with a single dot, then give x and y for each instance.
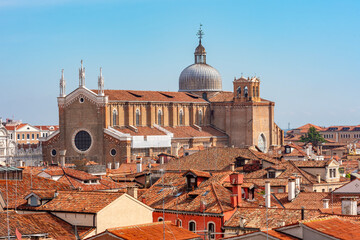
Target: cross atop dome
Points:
(200, 33)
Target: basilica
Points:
(115, 126)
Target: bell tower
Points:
(247, 89)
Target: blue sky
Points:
(306, 53)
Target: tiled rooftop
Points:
(141, 131)
(151, 96)
(190, 132)
(153, 231)
(77, 201)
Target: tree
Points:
(312, 136)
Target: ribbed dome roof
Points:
(200, 49)
(200, 77)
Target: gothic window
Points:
(257, 91)
(262, 143)
(254, 93)
(246, 92)
(211, 230)
(200, 117)
(181, 117)
(114, 117)
(192, 226)
(159, 117)
(137, 117)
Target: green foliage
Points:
(348, 175)
(312, 136)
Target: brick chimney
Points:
(236, 179)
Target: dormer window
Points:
(287, 149)
(332, 173)
(271, 174)
(33, 201)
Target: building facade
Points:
(109, 126)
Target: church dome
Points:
(200, 77)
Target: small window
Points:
(113, 152)
(23, 136)
(160, 219)
(37, 136)
(137, 117)
(33, 136)
(200, 117)
(323, 190)
(27, 136)
(271, 174)
(53, 152)
(179, 223)
(18, 136)
(192, 226)
(81, 100)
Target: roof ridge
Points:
(293, 164)
(217, 198)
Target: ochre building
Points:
(111, 126)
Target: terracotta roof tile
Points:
(190, 132)
(141, 131)
(77, 201)
(153, 231)
(336, 227)
(37, 223)
(151, 96)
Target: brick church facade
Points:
(109, 126)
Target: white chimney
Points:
(162, 159)
(232, 167)
(291, 189)
(62, 157)
(117, 165)
(326, 203)
(267, 194)
(109, 165)
(349, 205)
(318, 178)
(139, 165)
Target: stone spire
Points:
(101, 84)
(62, 84)
(82, 75)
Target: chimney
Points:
(349, 205)
(232, 167)
(202, 206)
(139, 164)
(326, 203)
(242, 222)
(236, 179)
(132, 191)
(56, 194)
(267, 194)
(21, 163)
(162, 159)
(318, 178)
(302, 213)
(62, 157)
(109, 165)
(117, 165)
(291, 189)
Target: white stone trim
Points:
(84, 93)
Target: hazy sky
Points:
(305, 52)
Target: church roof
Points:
(151, 96)
(190, 132)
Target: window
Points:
(33, 136)
(114, 117)
(246, 92)
(211, 230)
(159, 117)
(23, 136)
(192, 226)
(27, 136)
(82, 140)
(179, 223)
(332, 173)
(200, 117)
(314, 190)
(18, 136)
(53, 152)
(271, 174)
(262, 142)
(137, 117)
(37, 136)
(113, 152)
(181, 117)
(323, 190)
(280, 190)
(160, 219)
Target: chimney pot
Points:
(291, 189)
(267, 194)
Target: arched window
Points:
(160, 219)
(211, 229)
(137, 117)
(254, 92)
(200, 117)
(257, 91)
(179, 222)
(114, 117)
(192, 226)
(246, 92)
(181, 117)
(238, 91)
(159, 117)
